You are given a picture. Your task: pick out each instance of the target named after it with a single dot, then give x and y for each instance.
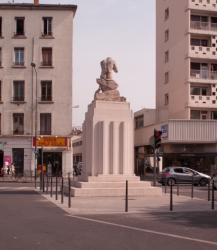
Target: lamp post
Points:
(36, 117)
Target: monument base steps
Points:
(103, 186)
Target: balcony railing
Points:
(45, 132)
(203, 74)
(46, 98)
(18, 99)
(214, 26)
(199, 25)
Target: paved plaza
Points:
(31, 220)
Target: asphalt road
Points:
(30, 222)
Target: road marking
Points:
(146, 230)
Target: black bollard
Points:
(171, 197)
(43, 182)
(56, 188)
(126, 197)
(213, 196)
(62, 191)
(165, 187)
(209, 190)
(47, 184)
(51, 186)
(177, 189)
(69, 186)
(192, 187)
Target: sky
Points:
(121, 29)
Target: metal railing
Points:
(198, 25)
(203, 74)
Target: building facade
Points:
(186, 84)
(36, 86)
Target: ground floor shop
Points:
(201, 157)
(20, 152)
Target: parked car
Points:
(173, 175)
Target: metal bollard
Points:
(51, 186)
(165, 187)
(209, 190)
(177, 189)
(69, 195)
(192, 188)
(47, 185)
(56, 188)
(126, 197)
(171, 197)
(213, 196)
(43, 182)
(62, 191)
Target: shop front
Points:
(54, 155)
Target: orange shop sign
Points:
(51, 141)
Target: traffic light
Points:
(157, 138)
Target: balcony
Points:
(202, 52)
(205, 27)
(203, 74)
(203, 5)
(45, 132)
(192, 131)
(197, 25)
(18, 99)
(199, 101)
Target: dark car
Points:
(173, 175)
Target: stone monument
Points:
(108, 141)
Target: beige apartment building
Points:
(186, 87)
(36, 85)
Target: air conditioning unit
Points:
(197, 76)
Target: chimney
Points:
(36, 2)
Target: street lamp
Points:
(36, 117)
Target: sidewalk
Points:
(110, 205)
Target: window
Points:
(200, 90)
(178, 170)
(0, 57)
(45, 124)
(46, 90)
(166, 77)
(0, 26)
(18, 123)
(166, 36)
(166, 14)
(19, 56)
(166, 56)
(199, 114)
(18, 91)
(139, 121)
(214, 115)
(47, 26)
(199, 42)
(46, 56)
(166, 99)
(19, 26)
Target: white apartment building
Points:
(186, 85)
(36, 85)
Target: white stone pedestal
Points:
(108, 140)
(108, 153)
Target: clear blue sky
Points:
(122, 29)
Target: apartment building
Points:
(36, 85)
(186, 85)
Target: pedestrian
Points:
(8, 169)
(12, 169)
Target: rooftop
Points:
(32, 6)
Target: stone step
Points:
(114, 184)
(114, 192)
(112, 178)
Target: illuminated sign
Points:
(51, 141)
